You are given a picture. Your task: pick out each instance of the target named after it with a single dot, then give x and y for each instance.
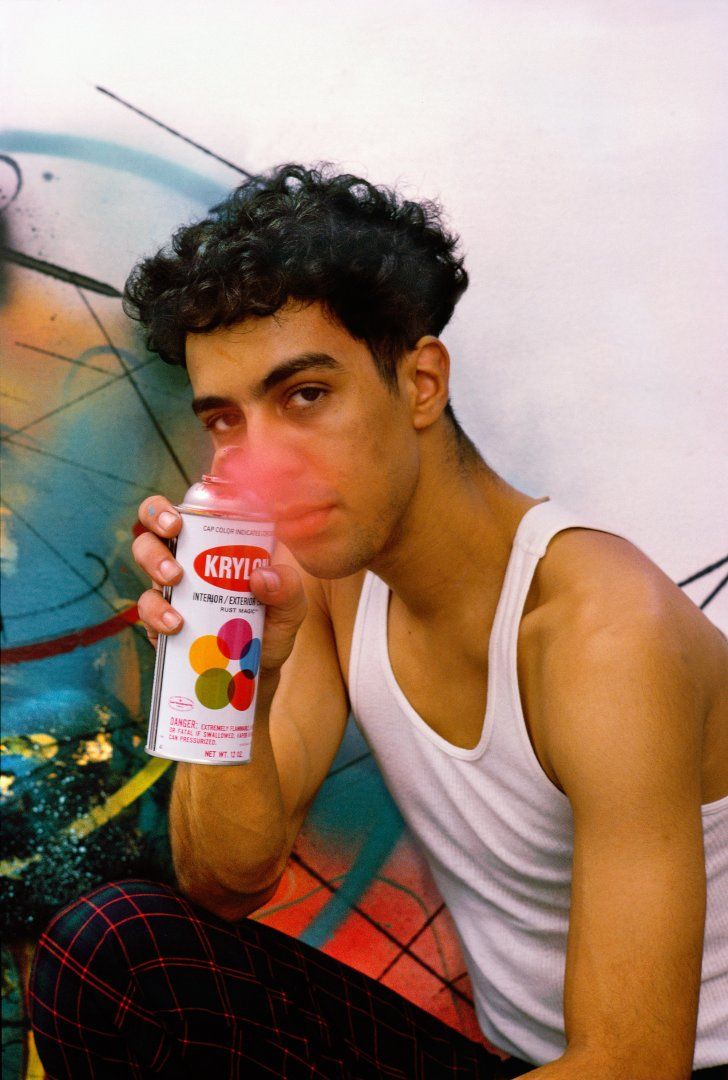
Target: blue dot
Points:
(250, 660)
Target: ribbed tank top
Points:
(498, 835)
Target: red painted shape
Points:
(39, 650)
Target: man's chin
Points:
(321, 561)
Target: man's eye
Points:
(221, 423)
(311, 395)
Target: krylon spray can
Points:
(206, 676)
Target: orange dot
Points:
(205, 653)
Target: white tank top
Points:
(498, 835)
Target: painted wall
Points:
(579, 149)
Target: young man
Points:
(548, 709)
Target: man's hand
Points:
(279, 588)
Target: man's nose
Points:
(265, 468)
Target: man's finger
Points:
(157, 614)
(280, 588)
(160, 516)
(153, 556)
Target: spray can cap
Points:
(224, 489)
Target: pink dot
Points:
(233, 638)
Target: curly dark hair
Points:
(384, 267)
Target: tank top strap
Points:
(542, 522)
(373, 594)
(535, 531)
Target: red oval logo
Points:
(180, 703)
(230, 567)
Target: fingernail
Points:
(171, 620)
(167, 519)
(168, 569)
(271, 579)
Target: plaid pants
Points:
(133, 980)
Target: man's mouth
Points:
(301, 520)
(294, 513)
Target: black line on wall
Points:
(173, 131)
(69, 404)
(145, 404)
(712, 596)
(382, 930)
(61, 273)
(704, 571)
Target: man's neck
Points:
(453, 543)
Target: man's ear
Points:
(426, 373)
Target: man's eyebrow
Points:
(292, 366)
(211, 401)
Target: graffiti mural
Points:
(91, 423)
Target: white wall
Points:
(579, 148)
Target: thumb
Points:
(281, 589)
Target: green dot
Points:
(212, 688)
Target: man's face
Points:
(318, 429)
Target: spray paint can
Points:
(206, 676)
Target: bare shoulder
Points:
(592, 580)
(587, 564)
(597, 595)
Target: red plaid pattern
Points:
(133, 980)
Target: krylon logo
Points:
(230, 567)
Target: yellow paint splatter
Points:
(103, 714)
(125, 796)
(120, 799)
(34, 1068)
(31, 746)
(6, 782)
(95, 750)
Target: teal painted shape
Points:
(115, 156)
(354, 803)
(106, 350)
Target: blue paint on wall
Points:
(115, 156)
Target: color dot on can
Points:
(233, 638)
(213, 688)
(250, 660)
(205, 653)
(240, 691)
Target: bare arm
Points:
(624, 714)
(232, 827)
